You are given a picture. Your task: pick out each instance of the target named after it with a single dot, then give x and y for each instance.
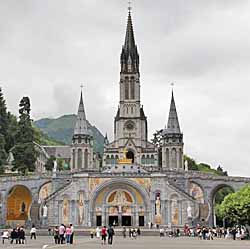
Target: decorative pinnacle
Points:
(129, 5)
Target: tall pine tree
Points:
(3, 131)
(24, 151)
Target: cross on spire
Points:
(129, 5)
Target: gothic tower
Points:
(82, 142)
(130, 125)
(130, 121)
(172, 147)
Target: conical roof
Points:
(129, 44)
(173, 126)
(81, 127)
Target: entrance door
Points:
(130, 155)
(113, 220)
(141, 221)
(98, 220)
(126, 221)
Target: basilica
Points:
(135, 183)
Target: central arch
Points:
(121, 202)
(19, 202)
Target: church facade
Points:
(135, 183)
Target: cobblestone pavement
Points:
(147, 242)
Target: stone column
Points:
(180, 212)
(153, 211)
(103, 215)
(177, 159)
(3, 208)
(169, 212)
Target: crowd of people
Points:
(63, 234)
(17, 235)
(208, 233)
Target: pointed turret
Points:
(82, 142)
(173, 123)
(172, 141)
(129, 55)
(81, 127)
(106, 141)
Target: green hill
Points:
(61, 129)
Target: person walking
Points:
(104, 235)
(5, 236)
(111, 233)
(72, 234)
(61, 233)
(33, 232)
(124, 232)
(68, 234)
(98, 233)
(56, 235)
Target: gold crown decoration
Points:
(124, 160)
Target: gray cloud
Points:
(48, 48)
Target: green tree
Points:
(192, 165)
(236, 206)
(50, 163)
(3, 115)
(24, 151)
(3, 154)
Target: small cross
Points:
(129, 5)
(172, 84)
(81, 86)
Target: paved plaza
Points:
(147, 242)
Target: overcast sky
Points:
(49, 47)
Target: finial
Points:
(81, 86)
(129, 6)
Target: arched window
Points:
(180, 159)
(143, 161)
(148, 160)
(126, 86)
(132, 88)
(73, 159)
(79, 158)
(107, 160)
(152, 159)
(112, 160)
(167, 158)
(174, 158)
(86, 158)
(116, 159)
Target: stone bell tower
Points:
(172, 148)
(82, 142)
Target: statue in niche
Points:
(65, 211)
(55, 166)
(45, 211)
(158, 205)
(189, 212)
(81, 208)
(23, 207)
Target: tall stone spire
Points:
(173, 123)
(81, 127)
(129, 55)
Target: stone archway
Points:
(119, 202)
(19, 202)
(222, 190)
